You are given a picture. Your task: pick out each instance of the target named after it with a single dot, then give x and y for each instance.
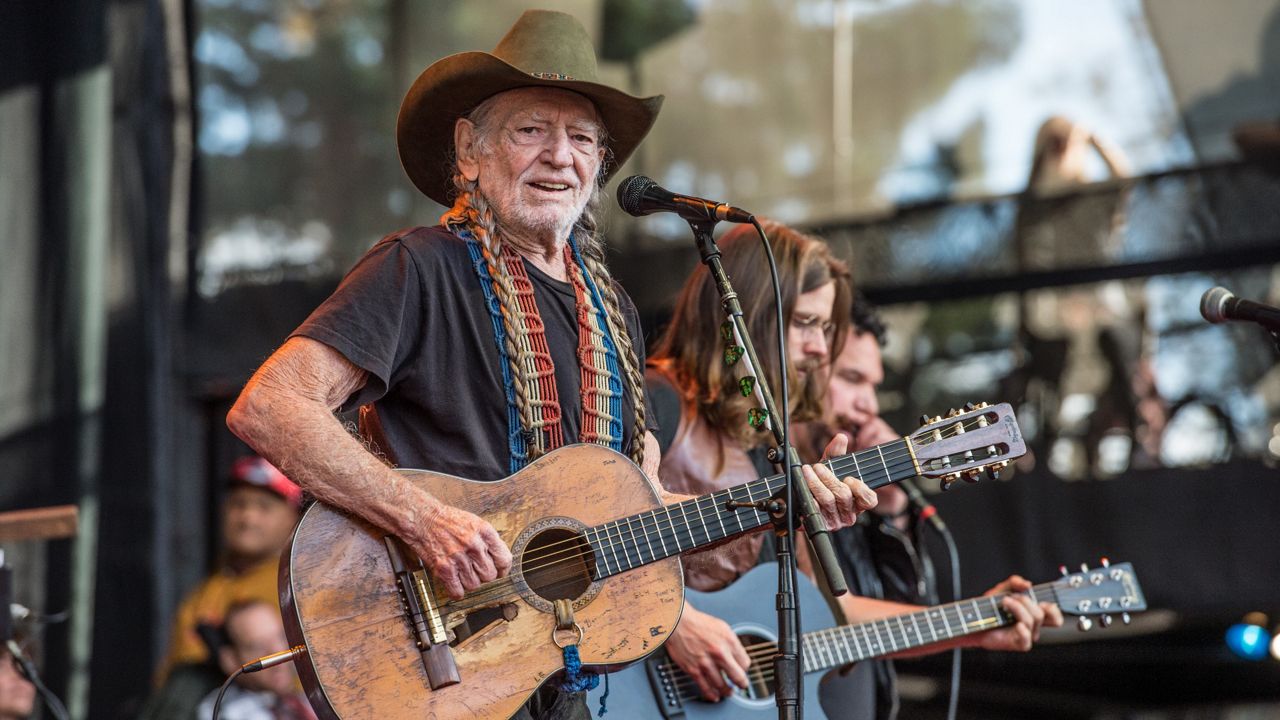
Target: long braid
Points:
(593, 257)
(472, 212)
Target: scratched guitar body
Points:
(338, 595)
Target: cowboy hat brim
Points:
(453, 86)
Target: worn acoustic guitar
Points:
(595, 562)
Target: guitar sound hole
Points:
(760, 683)
(557, 565)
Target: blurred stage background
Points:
(181, 181)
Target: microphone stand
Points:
(794, 501)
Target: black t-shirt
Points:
(413, 314)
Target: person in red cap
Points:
(261, 508)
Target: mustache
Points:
(847, 424)
(808, 364)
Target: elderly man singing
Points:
(476, 346)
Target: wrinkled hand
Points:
(461, 550)
(707, 649)
(839, 500)
(1030, 617)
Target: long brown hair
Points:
(690, 351)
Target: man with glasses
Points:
(708, 441)
(707, 412)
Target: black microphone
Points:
(927, 511)
(1218, 305)
(638, 195)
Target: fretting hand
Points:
(840, 500)
(1029, 615)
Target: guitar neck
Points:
(833, 647)
(627, 543)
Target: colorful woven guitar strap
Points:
(601, 381)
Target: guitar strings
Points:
(566, 572)
(898, 458)
(847, 636)
(899, 462)
(560, 562)
(504, 587)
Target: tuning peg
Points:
(924, 420)
(952, 412)
(1124, 618)
(970, 407)
(1106, 621)
(1084, 567)
(1084, 623)
(982, 405)
(973, 476)
(992, 473)
(1105, 562)
(1063, 569)
(949, 480)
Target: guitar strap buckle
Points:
(565, 624)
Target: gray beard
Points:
(529, 223)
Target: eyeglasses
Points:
(809, 324)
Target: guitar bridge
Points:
(666, 688)
(421, 612)
(420, 585)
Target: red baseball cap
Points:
(255, 471)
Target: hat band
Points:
(551, 76)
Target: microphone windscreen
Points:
(1213, 304)
(630, 192)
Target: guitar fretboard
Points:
(627, 543)
(833, 647)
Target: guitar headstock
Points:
(967, 443)
(1107, 590)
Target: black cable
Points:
(928, 514)
(23, 613)
(217, 704)
(28, 669)
(262, 663)
(785, 445)
(954, 703)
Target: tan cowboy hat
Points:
(543, 49)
